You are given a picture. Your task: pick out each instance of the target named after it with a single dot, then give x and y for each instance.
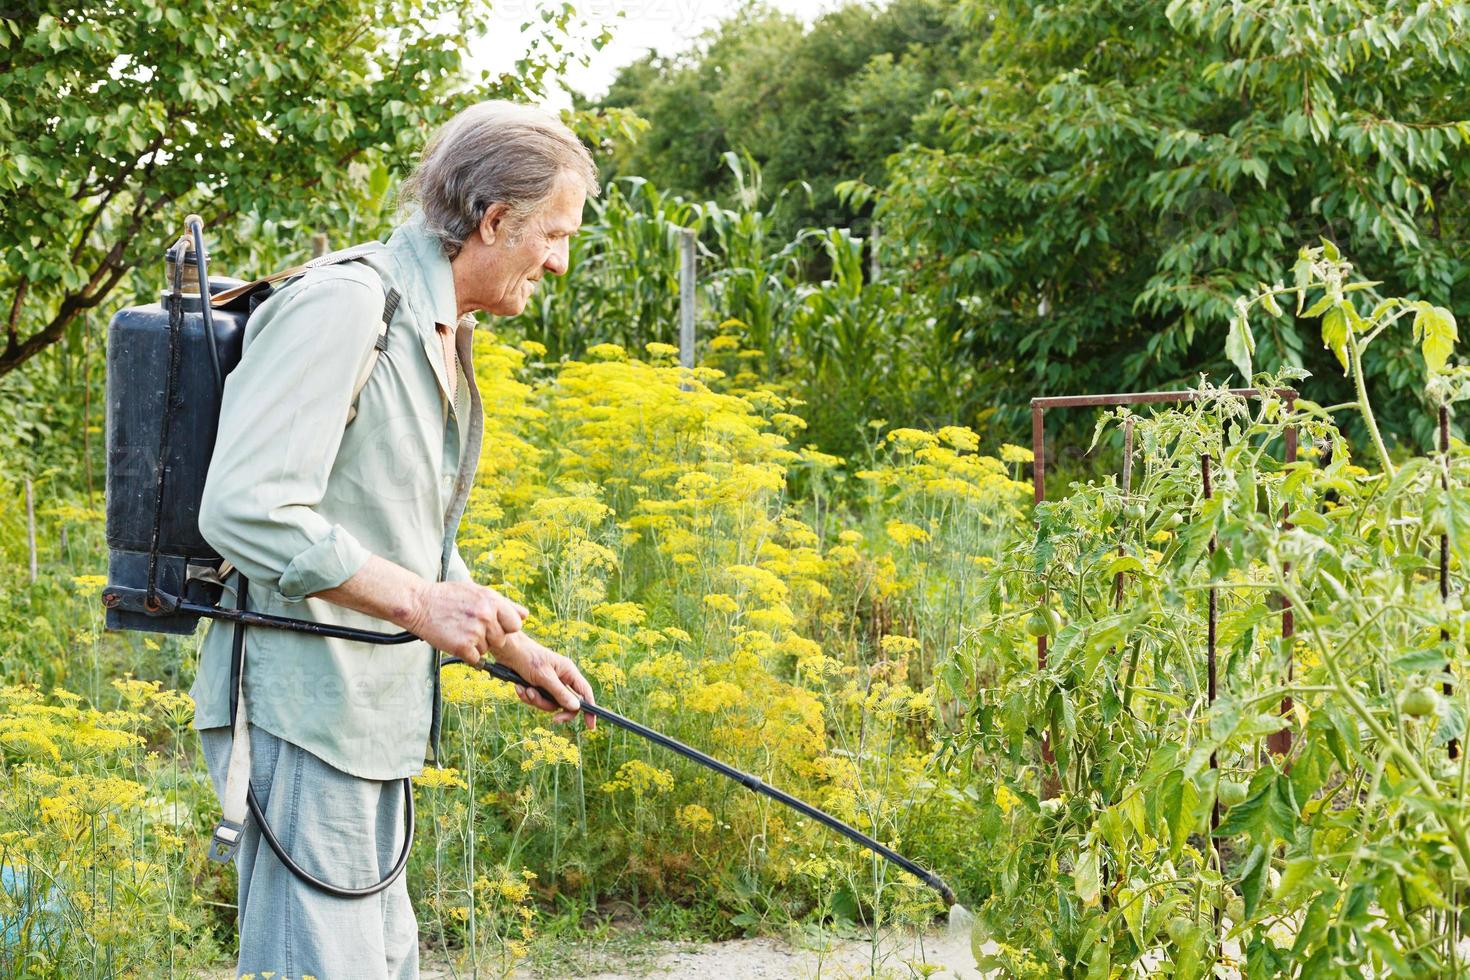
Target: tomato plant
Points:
(1347, 856)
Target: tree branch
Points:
(10, 326)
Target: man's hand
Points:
(464, 619)
(552, 672)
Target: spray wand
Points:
(958, 915)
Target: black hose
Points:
(237, 663)
(165, 425)
(744, 779)
(196, 224)
(242, 617)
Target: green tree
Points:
(815, 105)
(121, 116)
(1113, 173)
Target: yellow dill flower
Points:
(694, 817)
(544, 748)
(816, 457)
(767, 586)
(533, 348)
(961, 437)
(135, 692)
(656, 349)
(639, 778)
(893, 645)
(911, 439)
(605, 673)
(724, 342)
(787, 422)
(774, 617)
(571, 509)
(473, 687)
(1011, 453)
(436, 778)
(607, 352)
(89, 581)
(174, 705)
(90, 795)
(621, 613)
(1005, 799)
(710, 698)
(721, 603)
(905, 533)
(105, 739)
(669, 669)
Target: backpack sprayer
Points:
(166, 367)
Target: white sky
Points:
(663, 25)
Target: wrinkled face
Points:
(498, 268)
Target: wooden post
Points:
(873, 267)
(687, 271)
(31, 525)
(318, 244)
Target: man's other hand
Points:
(553, 673)
(465, 620)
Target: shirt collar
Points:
(420, 248)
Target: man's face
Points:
(505, 272)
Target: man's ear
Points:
(492, 223)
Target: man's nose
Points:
(556, 263)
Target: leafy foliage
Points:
(1110, 175)
(810, 105)
(120, 117)
(1168, 825)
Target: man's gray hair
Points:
(491, 152)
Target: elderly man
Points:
(344, 510)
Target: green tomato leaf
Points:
(1239, 346)
(1269, 301)
(1253, 878)
(1436, 331)
(1318, 308)
(1087, 877)
(1335, 334)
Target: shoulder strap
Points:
(390, 306)
(224, 297)
(355, 252)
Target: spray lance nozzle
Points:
(959, 916)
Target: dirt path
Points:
(805, 958)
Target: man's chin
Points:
(510, 308)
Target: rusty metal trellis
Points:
(1444, 550)
(1279, 743)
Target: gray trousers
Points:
(344, 830)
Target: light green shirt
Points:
(297, 498)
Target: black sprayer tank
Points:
(138, 360)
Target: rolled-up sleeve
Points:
(282, 419)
